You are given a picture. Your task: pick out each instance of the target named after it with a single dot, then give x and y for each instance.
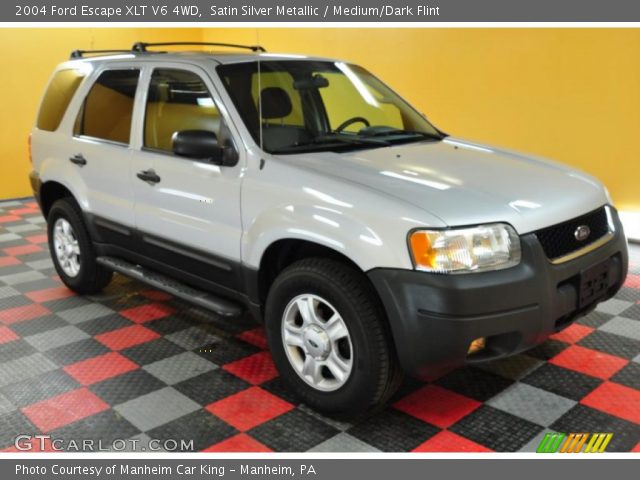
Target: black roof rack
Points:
(142, 46)
(81, 53)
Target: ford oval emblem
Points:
(582, 233)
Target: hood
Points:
(463, 183)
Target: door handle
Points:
(78, 159)
(149, 176)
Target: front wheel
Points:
(329, 339)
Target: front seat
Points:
(276, 104)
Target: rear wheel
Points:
(72, 251)
(329, 339)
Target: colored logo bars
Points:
(574, 443)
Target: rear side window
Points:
(177, 100)
(57, 98)
(107, 110)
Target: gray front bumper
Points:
(434, 317)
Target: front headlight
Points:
(464, 250)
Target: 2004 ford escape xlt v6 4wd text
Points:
(309, 193)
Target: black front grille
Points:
(560, 240)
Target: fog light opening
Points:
(477, 345)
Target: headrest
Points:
(275, 103)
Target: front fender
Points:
(285, 201)
(364, 244)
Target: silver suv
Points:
(309, 193)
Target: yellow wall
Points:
(569, 94)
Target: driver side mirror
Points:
(203, 145)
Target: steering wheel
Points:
(351, 121)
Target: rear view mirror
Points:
(317, 81)
(202, 145)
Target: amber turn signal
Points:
(477, 345)
(422, 251)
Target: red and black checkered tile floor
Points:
(133, 363)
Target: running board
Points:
(205, 300)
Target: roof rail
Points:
(142, 46)
(81, 53)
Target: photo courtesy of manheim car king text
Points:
(319, 239)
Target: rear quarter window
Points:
(56, 99)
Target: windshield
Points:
(293, 106)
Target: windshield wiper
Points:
(335, 141)
(394, 132)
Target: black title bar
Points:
(427, 11)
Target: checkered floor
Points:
(136, 363)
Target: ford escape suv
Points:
(307, 192)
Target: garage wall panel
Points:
(569, 94)
(29, 56)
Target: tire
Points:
(81, 273)
(328, 288)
